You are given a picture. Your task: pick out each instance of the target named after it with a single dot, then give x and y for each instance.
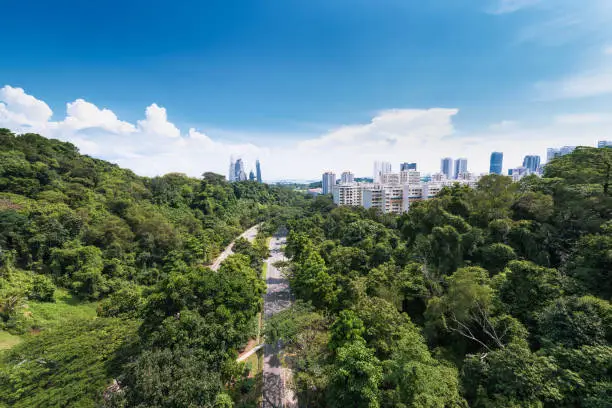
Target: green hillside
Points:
(103, 276)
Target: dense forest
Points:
(497, 296)
(105, 294)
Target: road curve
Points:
(249, 235)
(277, 298)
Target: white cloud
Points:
(392, 128)
(83, 115)
(19, 109)
(156, 123)
(155, 146)
(511, 6)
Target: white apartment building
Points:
(410, 177)
(393, 199)
(390, 178)
(348, 194)
(396, 192)
(347, 177)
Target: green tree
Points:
(511, 377)
(575, 322)
(356, 376)
(346, 328)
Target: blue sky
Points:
(308, 85)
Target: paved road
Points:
(249, 234)
(277, 298)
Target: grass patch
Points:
(65, 308)
(255, 363)
(8, 340)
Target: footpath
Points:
(276, 393)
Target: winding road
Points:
(278, 297)
(249, 235)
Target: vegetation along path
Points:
(249, 235)
(277, 298)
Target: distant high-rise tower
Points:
(531, 163)
(251, 176)
(329, 181)
(460, 167)
(232, 170)
(239, 173)
(408, 166)
(380, 168)
(446, 167)
(347, 177)
(497, 160)
(258, 170)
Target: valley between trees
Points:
(497, 296)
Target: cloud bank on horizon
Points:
(154, 145)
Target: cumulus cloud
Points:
(83, 115)
(18, 109)
(154, 145)
(156, 123)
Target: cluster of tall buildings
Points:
(237, 171)
(394, 192)
(391, 192)
(453, 169)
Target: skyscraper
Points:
(232, 170)
(446, 167)
(347, 177)
(380, 168)
(329, 181)
(497, 160)
(531, 163)
(460, 167)
(251, 176)
(239, 173)
(408, 166)
(258, 170)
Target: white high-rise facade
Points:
(347, 177)
(446, 167)
(380, 168)
(328, 182)
(460, 167)
(394, 192)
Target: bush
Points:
(43, 289)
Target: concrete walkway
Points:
(278, 297)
